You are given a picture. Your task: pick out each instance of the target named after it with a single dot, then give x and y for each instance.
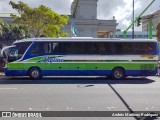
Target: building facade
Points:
(155, 19)
(84, 15)
(137, 35)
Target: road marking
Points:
(112, 107)
(8, 88)
(47, 108)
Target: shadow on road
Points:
(76, 80)
(130, 109)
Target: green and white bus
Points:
(116, 58)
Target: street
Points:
(80, 94)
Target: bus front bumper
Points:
(9, 72)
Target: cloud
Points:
(59, 6)
(122, 10)
(5, 7)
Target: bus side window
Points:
(119, 48)
(77, 48)
(57, 48)
(149, 48)
(46, 48)
(101, 48)
(38, 49)
(67, 48)
(87, 48)
(96, 48)
(112, 48)
(128, 49)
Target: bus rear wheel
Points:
(35, 73)
(118, 73)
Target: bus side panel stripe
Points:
(84, 66)
(81, 72)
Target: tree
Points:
(39, 21)
(5, 30)
(158, 31)
(12, 32)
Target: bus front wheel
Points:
(118, 73)
(35, 73)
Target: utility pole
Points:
(133, 21)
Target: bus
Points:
(114, 58)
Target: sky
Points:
(121, 9)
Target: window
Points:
(101, 48)
(22, 47)
(13, 52)
(56, 48)
(84, 48)
(67, 48)
(143, 48)
(38, 48)
(87, 47)
(18, 51)
(77, 48)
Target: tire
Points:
(35, 73)
(118, 73)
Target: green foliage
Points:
(11, 31)
(158, 31)
(39, 21)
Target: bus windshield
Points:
(16, 51)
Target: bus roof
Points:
(84, 39)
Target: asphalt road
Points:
(80, 94)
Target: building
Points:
(6, 17)
(84, 15)
(137, 35)
(155, 18)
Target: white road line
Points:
(8, 88)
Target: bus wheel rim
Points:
(118, 74)
(35, 73)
